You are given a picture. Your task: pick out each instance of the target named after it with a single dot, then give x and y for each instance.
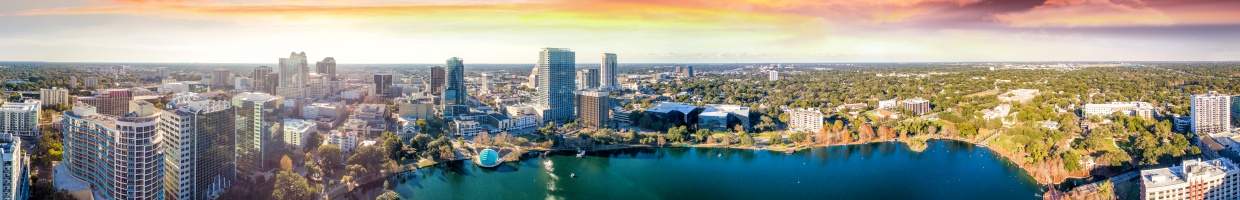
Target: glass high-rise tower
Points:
(557, 76)
(454, 95)
(607, 72)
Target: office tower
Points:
(556, 68)
(199, 147)
(265, 80)
(437, 80)
(293, 74)
(684, 71)
(221, 78)
(772, 75)
(113, 102)
(587, 78)
(21, 120)
(15, 172)
(593, 108)
(383, 84)
(804, 120)
(607, 72)
(255, 116)
(293, 70)
(119, 156)
(454, 95)
(91, 82)
(54, 96)
(1211, 114)
(243, 84)
(327, 67)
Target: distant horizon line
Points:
(627, 63)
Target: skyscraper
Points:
(587, 78)
(326, 67)
(454, 95)
(294, 73)
(21, 120)
(607, 72)
(119, 156)
(804, 120)
(437, 80)
(200, 163)
(593, 108)
(15, 169)
(383, 84)
(556, 68)
(255, 116)
(1211, 113)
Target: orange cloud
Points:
(1103, 13)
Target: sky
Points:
(639, 31)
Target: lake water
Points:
(945, 170)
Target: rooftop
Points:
(1175, 175)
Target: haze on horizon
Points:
(645, 31)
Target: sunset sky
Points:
(512, 31)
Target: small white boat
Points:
(581, 153)
(547, 165)
(572, 175)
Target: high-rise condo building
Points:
(327, 67)
(454, 94)
(532, 80)
(21, 120)
(199, 149)
(15, 169)
(557, 71)
(587, 78)
(254, 121)
(1210, 114)
(1217, 179)
(607, 71)
(804, 120)
(437, 80)
(54, 96)
(119, 156)
(113, 102)
(593, 108)
(383, 85)
(265, 80)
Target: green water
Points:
(945, 170)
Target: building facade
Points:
(113, 102)
(256, 117)
(326, 67)
(21, 120)
(1135, 108)
(119, 156)
(383, 84)
(556, 68)
(593, 109)
(54, 96)
(805, 120)
(221, 78)
(15, 172)
(454, 94)
(1210, 114)
(917, 106)
(587, 79)
(438, 74)
(198, 161)
(607, 72)
(1194, 179)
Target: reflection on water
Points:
(945, 170)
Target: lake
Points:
(889, 170)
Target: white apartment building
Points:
(54, 96)
(1194, 179)
(804, 120)
(296, 130)
(1211, 114)
(21, 119)
(1135, 108)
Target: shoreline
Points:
(916, 144)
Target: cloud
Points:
(1113, 13)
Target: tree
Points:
(676, 134)
(286, 163)
(388, 195)
(701, 135)
(1071, 161)
(370, 157)
(332, 157)
(746, 139)
(392, 145)
(290, 186)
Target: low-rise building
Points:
(296, 131)
(1135, 108)
(467, 128)
(346, 140)
(888, 104)
(1193, 179)
(917, 106)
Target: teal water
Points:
(945, 170)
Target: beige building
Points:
(1194, 179)
(804, 120)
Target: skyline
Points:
(639, 31)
